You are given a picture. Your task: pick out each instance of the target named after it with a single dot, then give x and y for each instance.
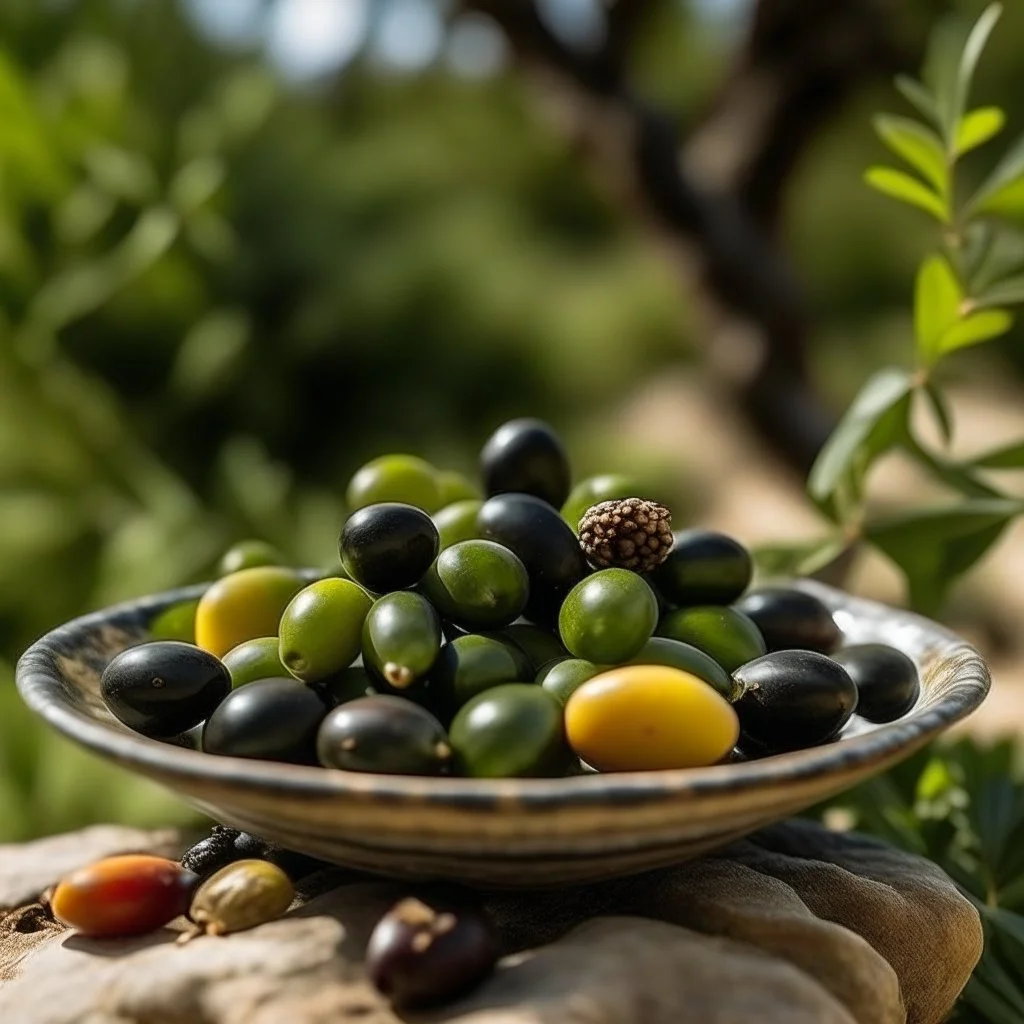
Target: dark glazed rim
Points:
(43, 689)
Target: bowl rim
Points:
(40, 684)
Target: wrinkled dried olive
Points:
(422, 956)
(242, 895)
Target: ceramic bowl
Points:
(501, 832)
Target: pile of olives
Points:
(467, 633)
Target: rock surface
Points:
(795, 925)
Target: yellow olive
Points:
(649, 717)
(243, 606)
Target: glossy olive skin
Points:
(420, 955)
(470, 664)
(660, 650)
(388, 546)
(596, 489)
(404, 478)
(248, 554)
(321, 629)
(704, 567)
(526, 457)
(457, 522)
(401, 638)
(383, 734)
(545, 544)
(886, 679)
(511, 731)
(164, 687)
(269, 720)
(722, 633)
(125, 895)
(242, 895)
(791, 620)
(538, 645)
(477, 584)
(254, 659)
(792, 700)
(176, 623)
(563, 677)
(607, 617)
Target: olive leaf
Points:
(937, 298)
(1007, 292)
(802, 559)
(973, 48)
(918, 145)
(875, 422)
(1007, 173)
(920, 96)
(940, 409)
(974, 329)
(900, 185)
(1009, 457)
(933, 547)
(978, 127)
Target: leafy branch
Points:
(963, 295)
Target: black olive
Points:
(212, 853)
(388, 546)
(383, 734)
(791, 620)
(703, 567)
(164, 687)
(526, 457)
(225, 845)
(269, 719)
(545, 544)
(886, 680)
(791, 700)
(419, 955)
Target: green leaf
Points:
(934, 547)
(919, 95)
(1010, 456)
(875, 422)
(974, 329)
(919, 146)
(976, 42)
(1007, 202)
(1008, 292)
(799, 559)
(977, 127)
(1009, 170)
(937, 298)
(899, 185)
(940, 409)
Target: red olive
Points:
(126, 895)
(421, 956)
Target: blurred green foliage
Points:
(221, 292)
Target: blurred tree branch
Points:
(716, 200)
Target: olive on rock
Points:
(421, 956)
(383, 734)
(722, 633)
(477, 584)
(164, 687)
(388, 546)
(791, 700)
(525, 456)
(791, 619)
(704, 568)
(886, 679)
(270, 720)
(242, 895)
(608, 617)
(401, 638)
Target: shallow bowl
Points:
(501, 832)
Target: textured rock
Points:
(793, 925)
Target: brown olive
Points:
(420, 955)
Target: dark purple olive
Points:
(702, 568)
(386, 734)
(526, 457)
(421, 956)
(791, 620)
(165, 687)
(792, 700)
(545, 544)
(886, 680)
(269, 719)
(388, 546)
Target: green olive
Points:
(455, 486)
(401, 638)
(510, 731)
(247, 554)
(457, 521)
(472, 663)
(561, 678)
(725, 634)
(477, 584)
(254, 659)
(539, 646)
(595, 489)
(402, 478)
(176, 623)
(322, 627)
(608, 617)
(660, 650)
